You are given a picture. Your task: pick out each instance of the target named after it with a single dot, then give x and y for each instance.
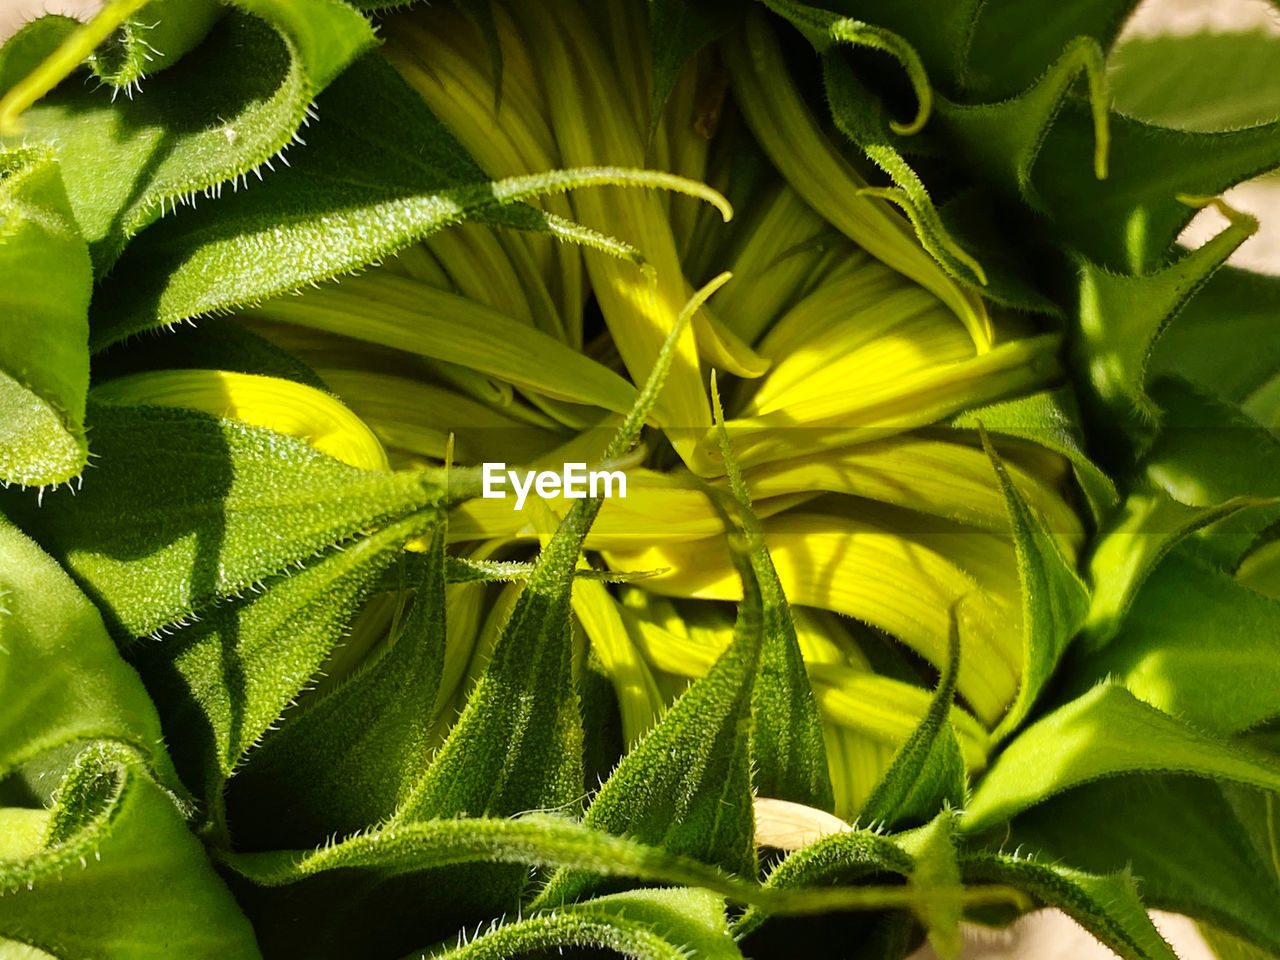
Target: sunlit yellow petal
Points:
(879, 576)
(271, 402)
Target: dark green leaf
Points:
(686, 786)
(534, 840)
(1139, 535)
(928, 770)
(678, 29)
(518, 744)
(1105, 733)
(1180, 840)
(153, 38)
(644, 925)
(1210, 453)
(1197, 645)
(1054, 601)
(314, 220)
(215, 344)
(803, 884)
(1226, 338)
(1129, 221)
(1000, 141)
(1013, 41)
(213, 117)
(935, 874)
(183, 509)
(938, 30)
(846, 857)
(223, 681)
(1108, 906)
(788, 755)
(347, 761)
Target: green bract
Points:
(945, 586)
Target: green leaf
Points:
(936, 871)
(1000, 141)
(1228, 947)
(1105, 733)
(1128, 221)
(316, 220)
(1225, 338)
(1199, 646)
(686, 787)
(1139, 535)
(1177, 836)
(788, 754)
(1202, 81)
(1107, 906)
(846, 857)
(1011, 41)
(518, 744)
(152, 39)
(1210, 477)
(1054, 601)
(223, 681)
(350, 758)
(863, 118)
(787, 748)
(61, 679)
(938, 30)
(533, 840)
(927, 771)
(480, 13)
(215, 344)
(183, 509)
(211, 118)
(119, 876)
(1050, 419)
(1120, 318)
(644, 924)
(1210, 454)
(803, 883)
(44, 357)
(30, 44)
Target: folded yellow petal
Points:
(851, 413)
(881, 576)
(937, 477)
(272, 402)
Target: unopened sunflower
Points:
(664, 479)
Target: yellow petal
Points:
(849, 412)
(883, 577)
(272, 402)
(639, 700)
(799, 148)
(418, 418)
(406, 315)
